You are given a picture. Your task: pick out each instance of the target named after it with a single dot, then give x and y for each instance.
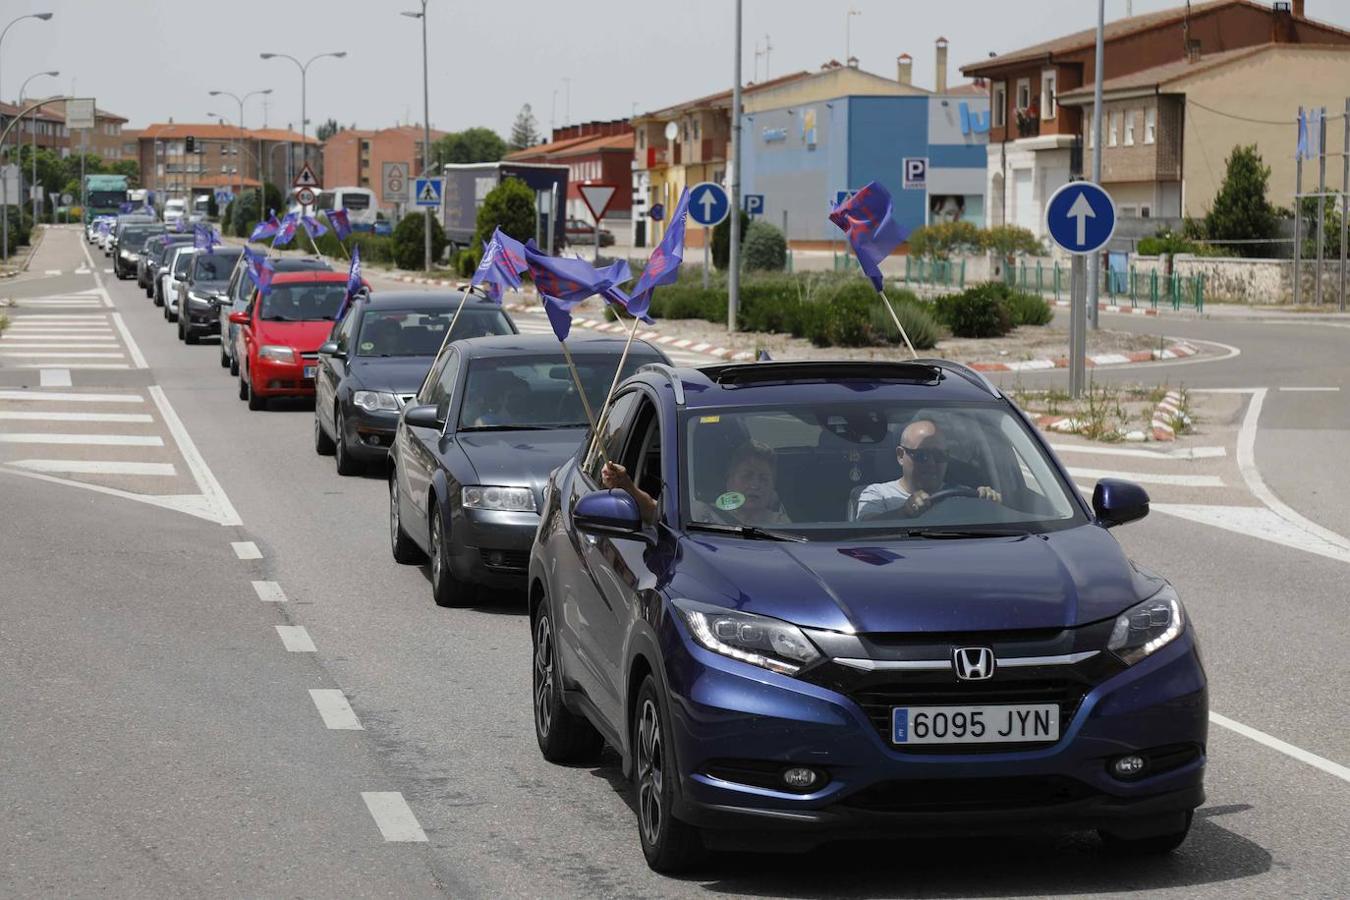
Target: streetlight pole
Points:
(734, 259)
(1094, 284)
(23, 90)
(240, 101)
(304, 72)
(4, 182)
(426, 132)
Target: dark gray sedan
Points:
(474, 449)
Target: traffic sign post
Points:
(1081, 218)
(306, 178)
(394, 178)
(305, 196)
(597, 197)
(708, 206)
(427, 191)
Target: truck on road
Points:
(104, 194)
(467, 184)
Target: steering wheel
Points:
(933, 500)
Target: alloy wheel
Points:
(393, 509)
(436, 554)
(650, 765)
(543, 675)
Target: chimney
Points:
(940, 76)
(853, 62)
(904, 69)
(1299, 8)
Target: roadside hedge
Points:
(990, 310)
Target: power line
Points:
(1228, 115)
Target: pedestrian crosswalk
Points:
(57, 342)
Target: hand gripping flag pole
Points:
(613, 386)
(867, 221)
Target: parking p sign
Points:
(916, 173)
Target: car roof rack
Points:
(965, 372)
(669, 372)
(738, 374)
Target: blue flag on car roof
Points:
(866, 218)
(204, 237)
(124, 208)
(663, 266)
(286, 231)
(259, 270)
(564, 283)
(266, 228)
(503, 261)
(354, 283)
(341, 222)
(313, 227)
(181, 224)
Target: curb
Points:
(1067, 425)
(1176, 351)
(653, 337)
(1168, 408)
(1106, 307)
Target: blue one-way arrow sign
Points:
(708, 203)
(1081, 217)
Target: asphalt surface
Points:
(158, 737)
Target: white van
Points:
(174, 210)
(358, 201)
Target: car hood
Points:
(394, 374)
(519, 457)
(209, 287)
(1057, 580)
(305, 337)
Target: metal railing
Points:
(938, 272)
(1150, 289)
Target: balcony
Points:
(1028, 123)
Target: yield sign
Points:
(597, 198)
(306, 178)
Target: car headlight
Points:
(373, 400)
(759, 640)
(506, 499)
(1147, 627)
(203, 299)
(277, 353)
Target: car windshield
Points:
(163, 250)
(303, 302)
(214, 266)
(356, 201)
(396, 332)
(845, 470)
(538, 391)
(181, 263)
(135, 237)
(106, 198)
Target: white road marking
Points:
(1254, 522)
(68, 304)
(1275, 743)
(53, 343)
(46, 355)
(95, 467)
(393, 816)
(60, 317)
(107, 271)
(201, 472)
(47, 365)
(52, 272)
(269, 592)
(1185, 453)
(132, 347)
(70, 398)
(296, 639)
(49, 416)
(1150, 478)
(106, 440)
(1311, 389)
(54, 378)
(192, 504)
(336, 711)
(246, 550)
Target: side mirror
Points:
(613, 512)
(330, 348)
(1116, 502)
(238, 318)
(423, 416)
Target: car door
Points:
(419, 447)
(332, 369)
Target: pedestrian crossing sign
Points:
(428, 191)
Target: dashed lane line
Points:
(393, 816)
(269, 592)
(296, 639)
(336, 712)
(246, 550)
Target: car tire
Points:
(446, 589)
(564, 737)
(182, 333)
(224, 357)
(1153, 845)
(190, 336)
(670, 846)
(157, 295)
(255, 402)
(346, 465)
(234, 364)
(243, 388)
(405, 551)
(323, 444)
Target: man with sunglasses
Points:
(922, 454)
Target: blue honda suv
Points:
(807, 601)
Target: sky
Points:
(150, 60)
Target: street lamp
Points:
(304, 71)
(240, 123)
(426, 132)
(4, 182)
(22, 92)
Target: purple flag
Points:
(266, 228)
(354, 283)
(663, 266)
(503, 261)
(564, 283)
(313, 227)
(866, 219)
(286, 231)
(204, 237)
(259, 270)
(340, 221)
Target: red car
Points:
(280, 333)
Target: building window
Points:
(1129, 127)
(1023, 94)
(1000, 104)
(1150, 126)
(1049, 93)
(1113, 133)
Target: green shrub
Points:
(242, 215)
(1028, 309)
(941, 240)
(977, 312)
(1010, 240)
(409, 249)
(466, 262)
(509, 206)
(721, 240)
(765, 248)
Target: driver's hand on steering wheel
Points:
(915, 505)
(988, 493)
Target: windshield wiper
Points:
(506, 428)
(754, 532)
(956, 533)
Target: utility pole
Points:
(1298, 212)
(1345, 196)
(768, 48)
(426, 134)
(1321, 196)
(734, 260)
(848, 33)
(1095, 273)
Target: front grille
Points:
(970, 794)
(505, 560)
(313, 355)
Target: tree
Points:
(525, 131)
(941, 239)
(327, 130)
(509, 206)
(409, 250)
(128, 167)
(472, 145)
(1241, 211)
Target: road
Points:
(218, 683)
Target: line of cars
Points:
(803, 601)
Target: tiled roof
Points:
(9, 110)
(1160, 75)
(211, 131)
(723, 98)
(578, 146)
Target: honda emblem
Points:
(973, 663)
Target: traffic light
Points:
(190, 144)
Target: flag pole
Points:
(585, 402)
(463, 298)
(896, 320)
(604, 409)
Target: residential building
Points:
(356, 157)
(1036, 143)
(594, 152)
(223, 157)
(49, 128)
(103, 140)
